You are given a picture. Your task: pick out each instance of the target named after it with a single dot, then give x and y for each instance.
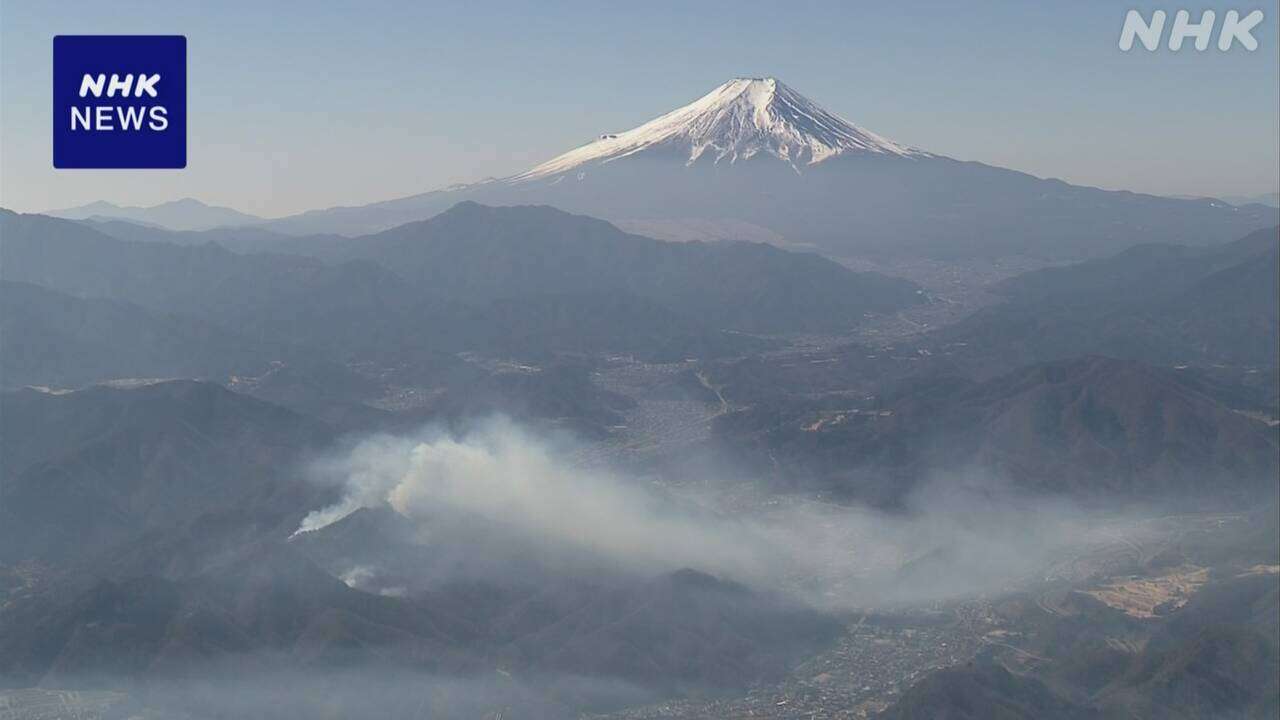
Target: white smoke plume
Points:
(499, 473)
(960, 536)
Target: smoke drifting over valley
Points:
(500, 474)
(747, 411)
(960, 535)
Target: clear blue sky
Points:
(298, 105)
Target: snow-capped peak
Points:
(737, 120)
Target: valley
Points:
(925, 478)
(884, 651)
(736, 409)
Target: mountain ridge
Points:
(754, 152)
(182, 214)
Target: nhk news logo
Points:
(119, 101)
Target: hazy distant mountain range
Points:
(522, 282)
(1268, 199)
(755, 159)
(184, 214)
(756, 153)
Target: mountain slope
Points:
(54, 339)
(1089, 426)
(754, 152)
(718, 633)
(474, 253)
(175, 535)
(279, 303)
(87, 469)
(736, 121)
(1214, 658)
(983, 691)
(1162, 304)
(518, 281)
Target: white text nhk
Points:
(113, 117)
(1234, 29)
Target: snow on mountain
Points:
(736, 121)
(813, 181)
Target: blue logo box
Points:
(119, 101)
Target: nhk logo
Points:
(100, 117)
(119, 101)
(1235, 28)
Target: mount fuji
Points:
(754, 159)
(739, 120)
